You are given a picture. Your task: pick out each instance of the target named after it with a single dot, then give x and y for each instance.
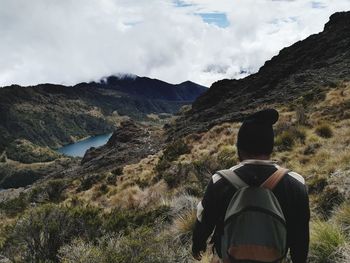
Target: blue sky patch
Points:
(219, 19)
(318, 5)
(179, 3)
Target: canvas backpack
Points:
(255, 227)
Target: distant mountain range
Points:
(54, 115)
(298, 75)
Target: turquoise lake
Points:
(78, 149)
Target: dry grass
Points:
(325, 241)
(134, 197)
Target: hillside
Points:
(298, 75)
(54, 115)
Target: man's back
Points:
(290, 192)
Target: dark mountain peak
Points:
(338, 21)
(309, 66)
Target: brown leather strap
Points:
(274, 179)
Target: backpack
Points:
(255, 227)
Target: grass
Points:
(324, 131)
(325, 241)
(341, 217)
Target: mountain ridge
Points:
(305, 69)
(54, 115)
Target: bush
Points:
(55, 188)
(41, 231)
(170, 154)
(325, 240)
(51, 191)
(143, 244)
(20, 178)
(176, 174)
(119, 220)
(324, 131)
(14, 206)
(287, 138)
(88, 181)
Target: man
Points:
(255, 144)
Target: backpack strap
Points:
(274, 179)
(233, 178)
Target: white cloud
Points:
(69, 41)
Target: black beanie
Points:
(256, 134)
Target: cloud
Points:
(69, 41)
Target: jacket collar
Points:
(259, 162)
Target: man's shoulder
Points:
(217, 177)
(296, 177)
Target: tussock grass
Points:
(325, 241)
(134, 197)
(183, 225)
(324, 130)
(341, 217)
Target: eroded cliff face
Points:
(298, 75)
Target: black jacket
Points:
(291, 193)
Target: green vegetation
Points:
(26, 152)
(170, 154)
(287, 138)
(324, 131)
(326, 240)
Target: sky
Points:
(71, 41)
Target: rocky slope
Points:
(298, 75)
(52, 115)
(130, 143)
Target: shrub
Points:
(119, 220)
(177, 173)
(20, 178)
(50, 191)
(14, 206)
(88, 181)
(284, 141)
(55, 188)
(80, 252)
(41, 231)
(287, 138)
(325, 240)
(118, 171)
(3, 158)
(143, 244)
(324, 131)
(170, 154)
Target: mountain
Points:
(298, 75)
(54, 115)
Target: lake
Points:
(78, 149)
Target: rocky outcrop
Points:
(298, 75)
(129, 143)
